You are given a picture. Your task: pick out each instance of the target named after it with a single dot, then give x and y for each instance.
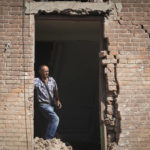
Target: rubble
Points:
(53, 144)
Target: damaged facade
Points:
(124, 80)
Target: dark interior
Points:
(71, 52)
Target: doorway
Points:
(70, 48)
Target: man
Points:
(45, 90)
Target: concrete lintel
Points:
(69, 8)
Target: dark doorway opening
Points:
(71, 52)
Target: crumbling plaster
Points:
(73, 8)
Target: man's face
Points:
(44, 72)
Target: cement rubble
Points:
(53, 144)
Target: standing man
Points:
(45, 90)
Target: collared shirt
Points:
(42, 95)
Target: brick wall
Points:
(128, 35)
(127, 68)
(16, 76)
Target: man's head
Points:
(44, 71)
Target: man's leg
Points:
(52, 118)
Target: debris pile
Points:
(53, 144)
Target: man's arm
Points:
(58, 100)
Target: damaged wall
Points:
(71, 8)
(127, 35)
(125, 59)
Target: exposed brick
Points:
(12, 121)
(132, 72)
(127, 51)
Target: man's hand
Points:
(59, 105)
